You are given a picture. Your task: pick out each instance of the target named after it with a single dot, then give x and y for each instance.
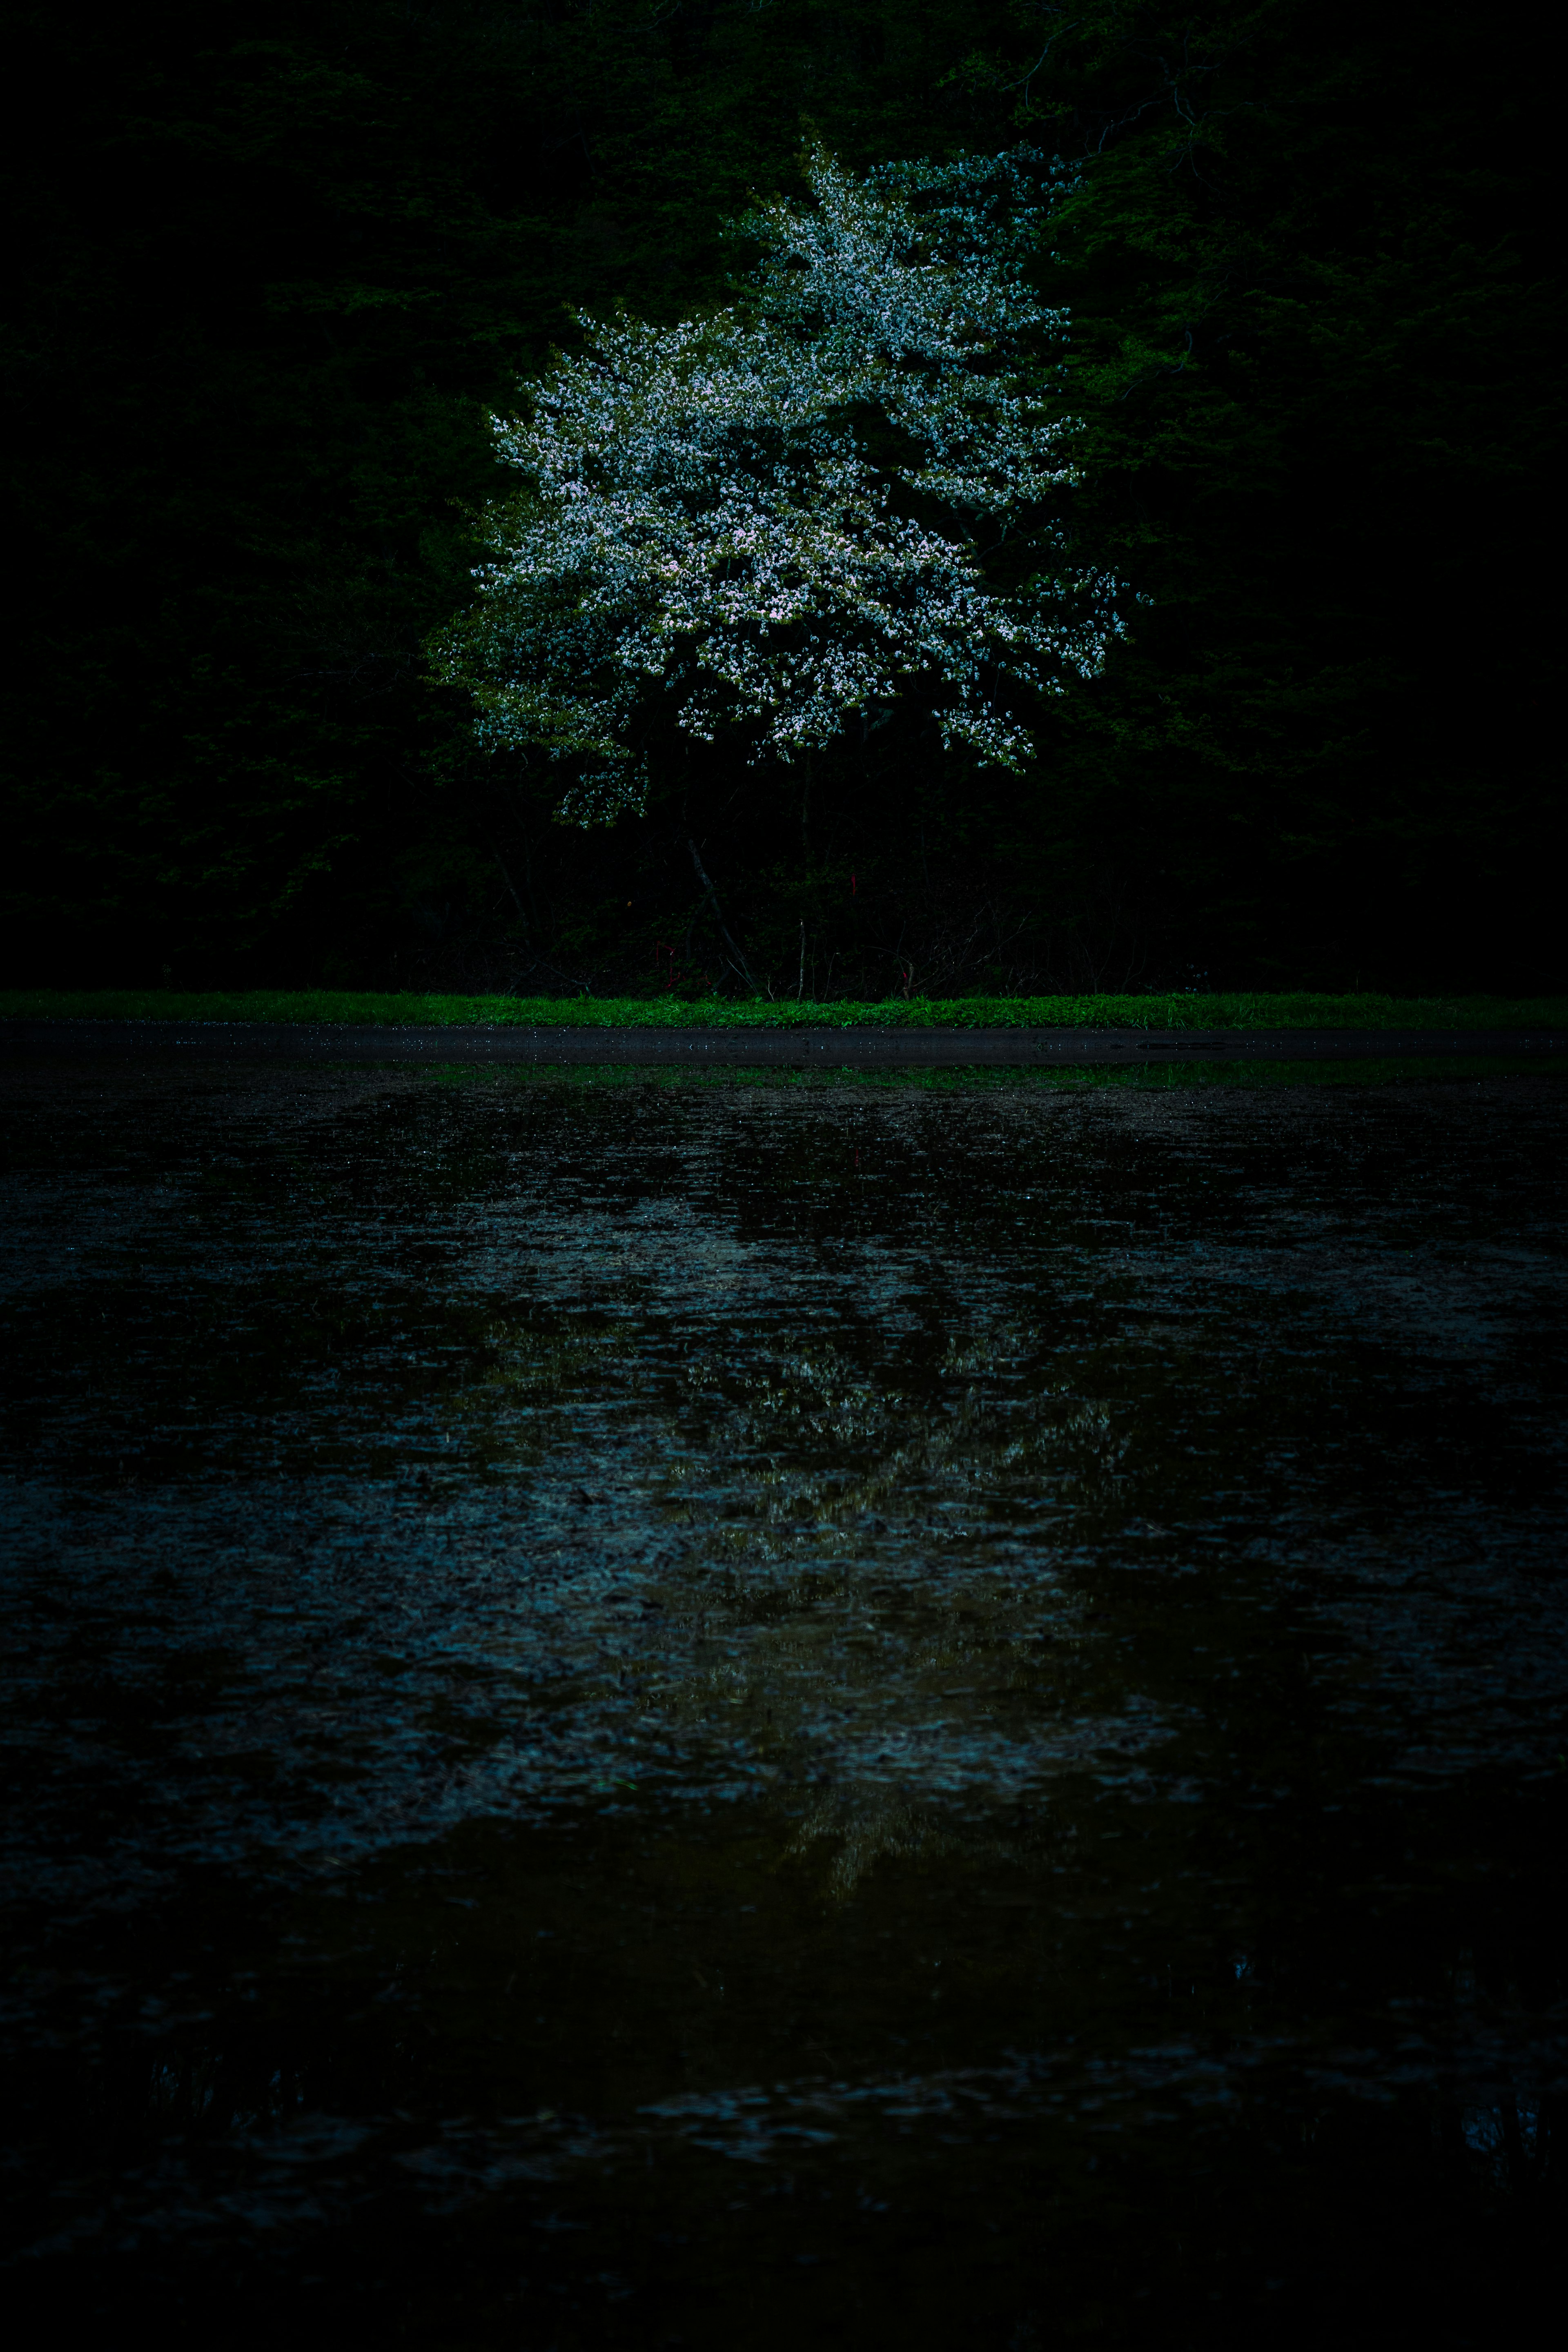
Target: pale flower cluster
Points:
(766, 519)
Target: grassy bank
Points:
(1219, 1012)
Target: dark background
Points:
(271, 265)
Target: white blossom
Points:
(712, 524)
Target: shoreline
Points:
(698, 1048)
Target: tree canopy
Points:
(276, 267)
(763, 518)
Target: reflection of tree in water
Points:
(818, 1451)
(872, 1585)
(867, 1826)
(1510, 2136)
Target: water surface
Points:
(647, 1713)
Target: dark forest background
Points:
(271, 263)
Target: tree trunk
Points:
(712, 899)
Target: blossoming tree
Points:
(768, 519)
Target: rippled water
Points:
(648, 1713)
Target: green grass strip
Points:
(1251, 1011)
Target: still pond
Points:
(758, 1712)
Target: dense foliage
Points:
(764, 520)
(277, 265)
